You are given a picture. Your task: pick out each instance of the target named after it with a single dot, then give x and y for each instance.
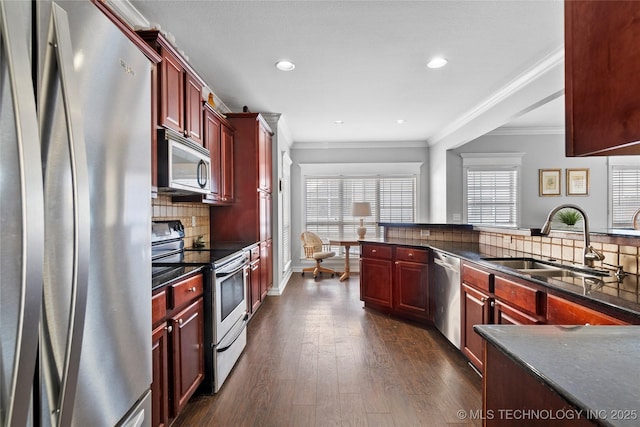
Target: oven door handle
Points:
(245, 319)
(238, 266)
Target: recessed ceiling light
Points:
(285, 65)
(400, 121)
(437, 62)
(338, 122)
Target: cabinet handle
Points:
(410, 254)
(179, 321)
(373, 251)
(493, 304)
(397, 263)
(169, 329)
(192, 289)
(483, 299)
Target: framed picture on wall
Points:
(577, 182)
(549, 182)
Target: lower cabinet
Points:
(411, 284)
(177, 347)
(395, 280)
(475, 310)
(188, 353)
(160, 385)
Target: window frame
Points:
(620, 163)
(363, 171)
(492, 162)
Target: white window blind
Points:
(328, 204)
(492, 196)
(625, 195)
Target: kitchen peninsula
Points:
(521, 311)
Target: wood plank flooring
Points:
(316, 357)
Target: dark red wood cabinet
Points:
(179, 90)
(177, 347)
(249, 218)
(395, 279)
(602, 89)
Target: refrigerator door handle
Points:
(63, 394)
(15, 410)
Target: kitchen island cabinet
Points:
(602, 60)
(560, 375)
(561, 311)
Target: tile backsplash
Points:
(164, 209)
(566, 247)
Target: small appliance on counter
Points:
(225, 303)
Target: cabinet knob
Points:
(410, 254)
(179, 321)
(397, 263)
(192, 289)
(483, 299)
(169, 329)
(493, 303)
(373, 251)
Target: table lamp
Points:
(361, 209)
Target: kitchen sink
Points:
(521, 263)
(534, 267)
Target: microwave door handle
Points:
(59, 60)
(28, 289)
(202, 177)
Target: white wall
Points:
(542, 152)
(369, 153)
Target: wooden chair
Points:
(314, 250)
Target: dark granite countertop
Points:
(621, 295)
(592, 367)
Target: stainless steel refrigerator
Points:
(75, 251)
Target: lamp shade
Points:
(361, 209)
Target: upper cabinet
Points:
(602, 89)
(218, 139)
(180, 90)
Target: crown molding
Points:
(358, 145)
(550, 130)
(128, 13)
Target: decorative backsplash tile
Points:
(164, 209)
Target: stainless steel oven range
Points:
(225, 291)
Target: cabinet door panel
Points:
(160, 384)
(172, 93)
(375, 281)
(193, 108)
(211, 139)
(602, 57)
(475, 311)
(188, 353)
(227, 148)
(411, 288)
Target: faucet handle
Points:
(594, 254)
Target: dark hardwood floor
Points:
(316, 357)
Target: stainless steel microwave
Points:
(184, 167)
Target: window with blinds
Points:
(492, 196)
(625, 195)
(328, 204)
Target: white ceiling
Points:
(364, 62)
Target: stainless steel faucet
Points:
(589, 253)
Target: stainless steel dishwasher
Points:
(446, 286)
